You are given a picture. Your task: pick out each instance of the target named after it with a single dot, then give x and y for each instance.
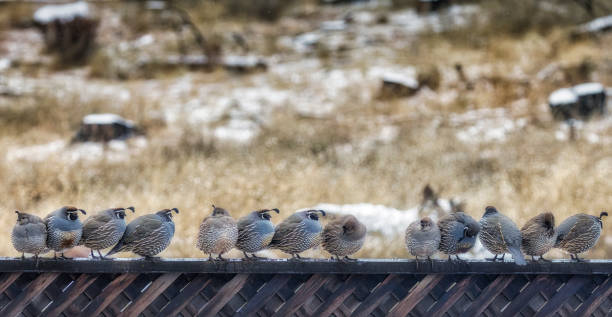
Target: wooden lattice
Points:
(193, 287)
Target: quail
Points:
(499, 234)
(458, 232)
(344, 236)
(104, 229)
(29, 235)
(423, 238)
(579, 233)
(298, 233)
(64, 229)
(255, 232)
(218, 233)
(147, 235)
(538, 235)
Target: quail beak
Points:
(82, 211)
(131, 208)
(175, 210)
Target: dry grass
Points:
(295, 162)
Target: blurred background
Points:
(390, 110)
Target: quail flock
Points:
(344, 235)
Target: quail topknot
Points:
(104, 229)
(147, 235)
(298, 233)
(458, 233)
(499, 234)
(423, 238)
(64, 229)
(579, 233)
(255, 231)
(29, 235)
(344, 236)
(218, 233)
(538, 235)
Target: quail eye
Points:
(313, 217)
(120, 216)
(73, 216)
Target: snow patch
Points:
(589, 89)
(106, 119)
(61, 12)
(562, 96)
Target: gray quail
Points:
(579, 233)
(499, 234)
(147, 235)
(344, 236)
(255, 231)
(298, 233)
(422, 238)
(538, 235)
(29, 235)
(104, 229)
(218, 233)
(64, 229)
(458, 233)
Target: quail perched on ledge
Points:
(458, 233)
(147, 235)
(538, 235)
(218, 233)
(64, 229)
(29, 235)
(579, 233)
(104, 229)
(298, 233)
(255, 231)
(344, 236)
(423, 238)
(499, 234)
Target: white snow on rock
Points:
(106, 119)
(588, 89)
(61, 12)
(405, 76)
(597, 25)
(562, 96)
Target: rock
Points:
(591, 99)
(396, 84)
(69, 30)
(563, 103)
(244, 64)
(579, 102)
(104, 128)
